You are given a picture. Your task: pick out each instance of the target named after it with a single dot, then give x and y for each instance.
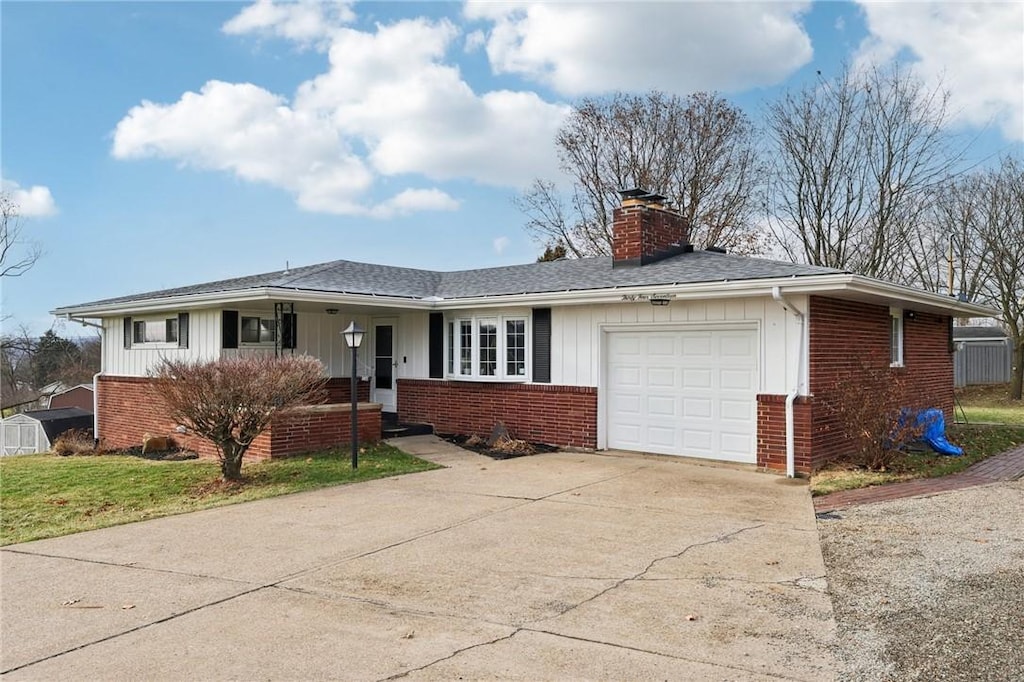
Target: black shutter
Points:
(289, 330)
(229, 329)
(542, 345)
(127, 332)
(436, 345)
(182, 330)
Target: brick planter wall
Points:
(542, 413)
(844, 333)
(128, 409)
(340, 390)
(771, 432)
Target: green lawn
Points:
(43, 496)
(989, 405)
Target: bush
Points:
(74, 442)
(869, 407)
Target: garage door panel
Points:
(661, 437)
(684, 393)
(697, 408)
(697, 345)
(696, 378)
(661, 345)
(661, 377)
(661, 406)
(627, 376)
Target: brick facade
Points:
(771, 432)
(844, 334)
(644, 233)
(128, 409)
(559, 415)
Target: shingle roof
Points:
(978, 333)
(349, 277)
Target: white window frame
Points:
(262, 317)
(154, 332)
(454, 365)
(897, 337)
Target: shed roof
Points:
(57, 421)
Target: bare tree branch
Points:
(16, 254)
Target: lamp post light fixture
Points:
(353, 337)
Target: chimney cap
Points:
(638, 194)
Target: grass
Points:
(978, 441)
(994, 424)
(989, 405)
(44, 496)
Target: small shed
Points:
(76, 396)
(35, 431)
(984, 356)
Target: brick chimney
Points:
(644, 230)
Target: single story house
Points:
(36, 430)
(80, 396)
(657, 348)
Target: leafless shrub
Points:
(74, 442)
(230, 401)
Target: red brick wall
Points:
(128, 409)
(339, 390)
(844, 333)
(79, 396)
(542, 413)
(771, 433)
(640, 232)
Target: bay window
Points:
(487, 347)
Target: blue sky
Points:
(159, 144)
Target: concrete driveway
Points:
(560, 566)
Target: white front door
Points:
(384, 364)
(690, 393)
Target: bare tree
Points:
(230, 401)
(855, 160)
(700, 152)
(16, 254)
(1001, 232)
(16, 352)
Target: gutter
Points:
(795, 391)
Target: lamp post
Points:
(353, 337)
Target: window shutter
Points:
(542, 345)
(182, 330)
(127, 332)
(229, 329)
(290, 330)
(436, 345)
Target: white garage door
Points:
(690, 393)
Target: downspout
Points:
(795, 391)
(96, 408)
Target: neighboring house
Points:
(80, 396)
(35, 431)
(984, 356)
(658, 348)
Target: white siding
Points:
(319, 335)
(576, 334)
(204, 344)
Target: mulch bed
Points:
(479, 445)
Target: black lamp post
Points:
(353, 337)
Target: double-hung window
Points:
(259, 330)
(487, 347)
(155, 331)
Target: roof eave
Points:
(221, 298)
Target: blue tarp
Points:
(933, 423)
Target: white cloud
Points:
(584, 48)
(308, 22)
(977, 49)
(389, 105)
(500, 244)
(413, 200)
(32, 202)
